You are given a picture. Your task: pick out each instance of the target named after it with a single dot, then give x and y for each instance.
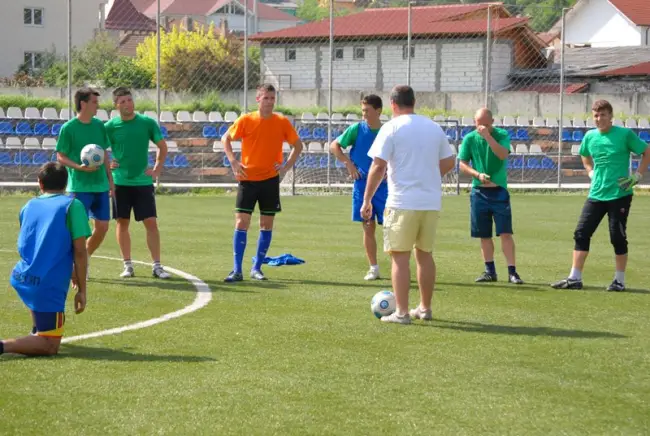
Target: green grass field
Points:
(302, 354)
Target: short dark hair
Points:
(266, 87)
(403, 96)
(122, 91)
(602, 105)
(53, 176)
(83, 94)
(373, 100)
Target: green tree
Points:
(126, 72)
(311, 10)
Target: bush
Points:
(126, 72)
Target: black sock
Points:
(2, 347)
(490, 268)
(512, 270)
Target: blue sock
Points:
(239, 246)
(263, 244)
(490, 268)
(512, 270)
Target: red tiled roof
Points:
(124, 16)
(427, 20)
(642, 69)
(548, 37)
(637, 11)
(208, 7)
(553, 88)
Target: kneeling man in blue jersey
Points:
(53, 232)
(359, 137)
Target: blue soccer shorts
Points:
(378, 201)
(49, 324)
(97, 204)
(488, 205)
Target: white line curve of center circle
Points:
(203, 297)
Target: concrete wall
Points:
(530, 104)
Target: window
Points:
(359, 53)
(338, 54)
(33, 60)
(405, 51)
(33, 16)
(289, 54)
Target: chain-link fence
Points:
(194, 67)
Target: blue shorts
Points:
(48, 324)
(378, 201)
(487, 205)
(97, 204)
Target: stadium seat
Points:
(452, 134)
(14, 112)
(533, 163)
(551, 122)
(230, 117)
(172, 147)
(521, 149)
(511, 133)
(49, 113)
(352, 118)
(286, 147)
(22, 158)
(509, 121)
(164, 132)
(538, 122)
(49, 143)
(466, 121)
(566, 123)
(152, 147)
(307, 117)
(644, 123)
(180, 161)
(199, 117)
(222, 130)
(522, 134)
(466, 131)
(6, 128)
(338, 118)
(102, 115)
(631, 123)
(566, 135)
(236, 145)
(617, 122)
(183, 117)
(590, 124)
(336, 133)
(65, 114)
(6, 159)
(516, 164)
(383, 118)
(635, 165)
(167, 117)
(498, 121)
(578, 135)
(24, 128)
(226, 162)
(304, 133)
(40, 157)
(523, 121)
(2, 113)
(323, 164)
(644, 135)
(315, 147)
(338, 164)
(32, 113)
(575, 150)
(114, 114)
(215, 117)
(535, 149)
(41, 129)
(56, 129)
(32, 143)
(320, 134)
(151, 114)
(217, 146)
(579, 123)
(210, 132)
(54, 157)
(547, 163)
(151, 160)
(169, 162)
(322, 117)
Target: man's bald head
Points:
(483, 117)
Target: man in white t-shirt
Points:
(417, 154)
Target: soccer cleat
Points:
(567, 284)
(257, 275)
(234, 277)
(486, 277)
(372, 274)
(419, 313)
(616, 286)
(160, 273)
(395, 318)
(128, 272)
(514, 278)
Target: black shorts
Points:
(593, 212)
(142, 199)
(266, 193)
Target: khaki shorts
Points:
(408, 229)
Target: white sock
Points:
(619, 276)
(374, 267)
(575, 274)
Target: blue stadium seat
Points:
(210, 132)
(226, 162)
(152, 160)
(635, 165)
(452, 134)
(164, 132)
(40, 158)
(6, 128)
(578, 135)
(180, 161)
(516, 163)
(547, 163)
(222, 130)
(5, 158)
(533, 163)
(319, 134)
(336, 133)
(567, 136)
(323, 162)
(41, 129)
(53, 158)
(644, 135)
(169, 162)
(56, 129)
(512, 133)
(522, 135)
(465, 131)
(304, 133)
(24, 128)
(22, 158)
(339, 164)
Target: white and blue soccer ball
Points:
(383, 304)
(92, 155)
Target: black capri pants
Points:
(592, 214)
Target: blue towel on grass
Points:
(283, 259)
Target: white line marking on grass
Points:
(203, 297)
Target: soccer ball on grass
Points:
(383, 304)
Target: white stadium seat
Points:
(102, 115)
(13, 142)
(167, 117)
(14, 112)
(49, 143)
(230, 117)
(521, 149)
(575, 149)
(315, 147)
(199, 117)
(535, 149)
(215, 117)
(183, 117)
(538, 122)
(172, 147)
(64, 114)
(32, 113)
(49, 113)
(151, 114)
(32, 143)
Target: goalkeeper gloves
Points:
(627, 183)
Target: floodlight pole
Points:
(488, 54)
(561, 122)
(330, 90)
(408, 44)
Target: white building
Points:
(608, 23)
(33, 27)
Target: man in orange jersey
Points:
(259, 171)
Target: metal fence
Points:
(196, 71)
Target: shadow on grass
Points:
(477, 327)
(122, 355)
(360, 284)
(174, 283)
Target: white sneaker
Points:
(372, 274)
(419, 313)
(160, 273)
(128, 272)
(394, 317)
